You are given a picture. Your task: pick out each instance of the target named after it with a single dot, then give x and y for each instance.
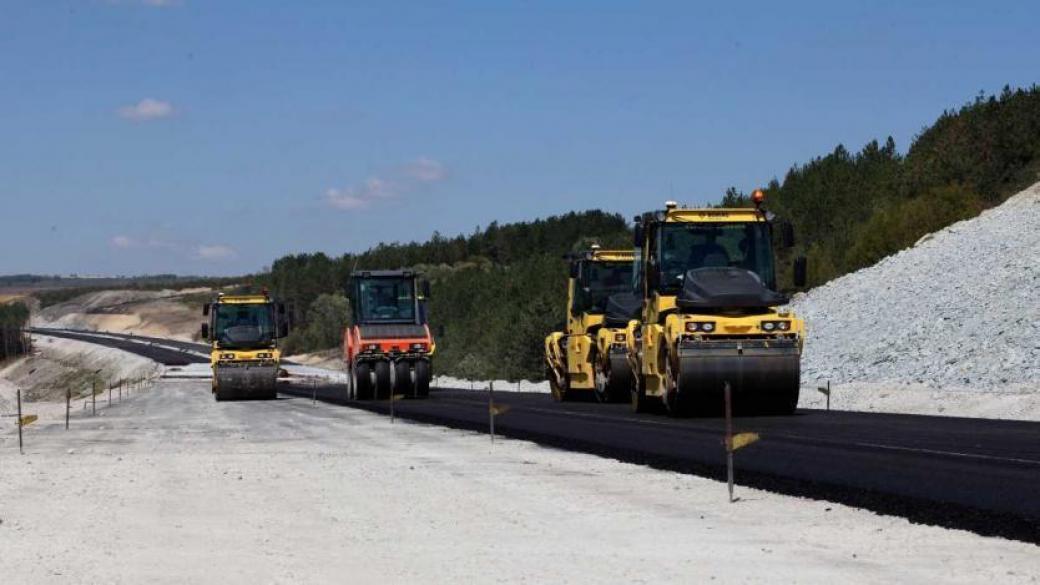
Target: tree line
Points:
(500, 290)
(13, 341)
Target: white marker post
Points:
(826, 392)
(20, 451)
(729, 441)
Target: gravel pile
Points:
(959, 311)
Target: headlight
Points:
(700, 326)
(785, 325)
(372, 347)
(768, 325)
(418, 347)
(227, 356)
(775, 326)
(263, 356)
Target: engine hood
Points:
(707, 289)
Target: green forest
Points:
(13, 341)
(499, 291)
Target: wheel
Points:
(638, 395)
(423, 374)
(601, 375)
(383, 388)
(402, 382)
(675, 401)
(363, 381)
(557, 393)
(613, 380)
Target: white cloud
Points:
(426, 170)
(397, 182)
(122, 241)
(215, 252)
(154, 243)
(147, 109)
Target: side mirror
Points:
(786, 235)
(425, 289)
(640, 235)
(281, 308)
(283, 330)
(800, 271)
(205, 331)
(575, 269)
(205, 310)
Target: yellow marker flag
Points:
(741, 440)
(499, 409)
(28, 419)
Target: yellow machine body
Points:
(579, 359)
(243, 331)
(678, 360)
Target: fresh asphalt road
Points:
(976, 474)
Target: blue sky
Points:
(211, 137)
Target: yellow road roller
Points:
(590, 355)
(711, 313)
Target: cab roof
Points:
(714, 215)
(243, 299)
(384, 274)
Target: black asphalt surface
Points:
(974, 474)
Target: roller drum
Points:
(763, 375)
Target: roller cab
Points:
(591, 355)
(388, 347)
(711, 313)
(243, 331)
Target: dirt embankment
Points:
(58, 365)
(170, 314)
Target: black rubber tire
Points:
(611, 385)
(402, 377)
(383, 388)
(676, 402)
(638, 400)
(363, 381)
(557, 393)
(423, 376)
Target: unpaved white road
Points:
(170, 487)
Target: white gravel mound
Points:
(956, 315)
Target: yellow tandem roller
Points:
(711, 314)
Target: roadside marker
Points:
(394, 398)
(491, 409)
(741, 440)
(20, 451)
(733, 442)
(826, 391)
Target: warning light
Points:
(758, 196)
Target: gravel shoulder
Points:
(171, 487)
